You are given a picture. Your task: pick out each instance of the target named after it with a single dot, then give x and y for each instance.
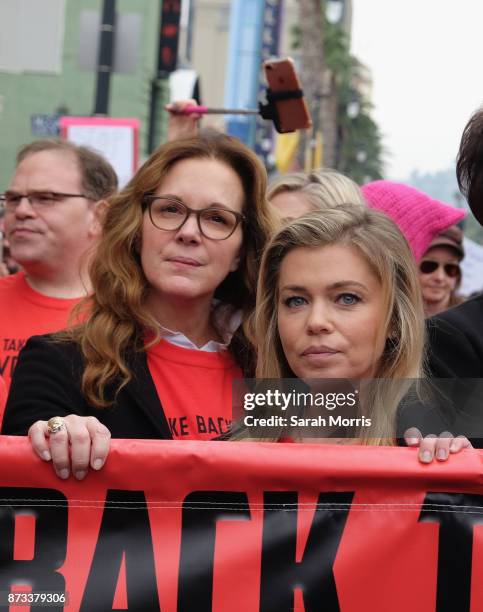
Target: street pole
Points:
(167, 59)
(106, 56)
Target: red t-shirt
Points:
(23, 313)
(195, 389)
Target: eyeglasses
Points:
(169, 214)
(429, 266)
(39, 200)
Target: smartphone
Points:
(291, 113)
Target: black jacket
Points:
(455, 348)
(46, 383)
(455, 351)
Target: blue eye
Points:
(295, 301)
(348, 299)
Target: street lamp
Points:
(334, 11)
(353, 109)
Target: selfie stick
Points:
(267, 111)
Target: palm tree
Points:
(316, 79)
(352, 140)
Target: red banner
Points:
(242, 527)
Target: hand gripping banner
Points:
(244, 527)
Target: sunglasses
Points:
(428, 267)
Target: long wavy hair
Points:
(115, 317)
(386, 251)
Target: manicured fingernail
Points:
(80, 475)
(46, 456)
(63, 474)
(441, 454)
(425, 457)
(97, 464)
(412, 441)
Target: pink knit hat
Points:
(419, 217)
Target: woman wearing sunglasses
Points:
(440, 272)
(430, 228)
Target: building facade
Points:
(43, 67)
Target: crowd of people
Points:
(133, 311)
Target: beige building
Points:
(210, 52)
(210, 47)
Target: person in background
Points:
(297, 193)
(52, 216)
(440, 271)
(167, 326)
(419, 217)
(338, 298)
(456, 336)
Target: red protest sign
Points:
(217, 526)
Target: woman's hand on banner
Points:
(435, 447)
(73, 443)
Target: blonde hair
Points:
(386, 251)
(323, 188)
(117, 320)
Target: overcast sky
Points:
(426, 58)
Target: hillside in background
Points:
(443, 186)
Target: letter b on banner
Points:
(49, 507)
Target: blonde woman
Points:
(338, 298)
(166, 328)
(298, 193)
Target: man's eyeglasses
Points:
(38, 199)
(169, 214)
(428, 266)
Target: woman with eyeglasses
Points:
(440, 272)
(167, 327)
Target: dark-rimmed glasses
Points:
(169, 214)
(37, 199)
(428, 266)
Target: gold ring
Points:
(55, 424)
